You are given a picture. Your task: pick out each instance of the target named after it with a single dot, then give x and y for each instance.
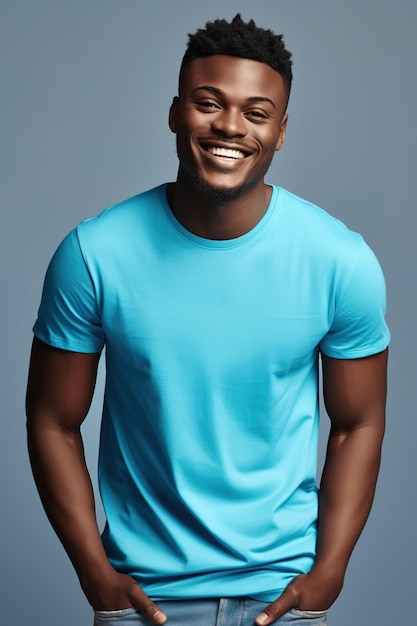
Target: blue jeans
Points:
(216, 612)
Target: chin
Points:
(216, 194)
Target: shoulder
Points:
(112, 234)
(308, 218)
(317, 237)
(117, 231)
(120, 218)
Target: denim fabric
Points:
(222, 612)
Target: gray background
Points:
(85, 91)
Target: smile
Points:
(228, 153)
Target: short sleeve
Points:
(68, 316)
(358, 327)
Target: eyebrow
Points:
(219, 92)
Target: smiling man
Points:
(229, 120)
(215, 298)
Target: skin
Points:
(354, 394)
(223, 102)
(226, 102)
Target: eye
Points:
(207, 105)
(257, 115)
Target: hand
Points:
(315, 591)
(116, 591)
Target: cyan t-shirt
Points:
(209, 434)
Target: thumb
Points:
(149, 609)
(286, 601)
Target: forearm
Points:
(60, 388)
(354, 396)
(64, 485)
(346, 493)
(61, 475)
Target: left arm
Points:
(354, 396)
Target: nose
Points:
(230, 123)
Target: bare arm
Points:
(60, 389)
(354, 394)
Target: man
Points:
(214, 297)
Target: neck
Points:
(216, 217)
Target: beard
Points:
(217, 196)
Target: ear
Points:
(282, 132)
(173, 111)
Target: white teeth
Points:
(225, 152)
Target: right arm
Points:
(60, 388)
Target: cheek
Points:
(192, 119)
(269, 143)
(189, 127)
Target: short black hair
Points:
(239, 39)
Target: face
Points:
(229, 120)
